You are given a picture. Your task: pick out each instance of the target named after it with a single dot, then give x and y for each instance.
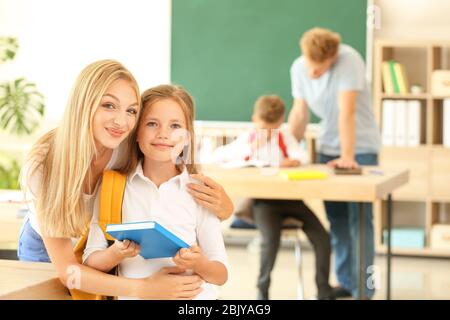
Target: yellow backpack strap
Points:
(111, 197)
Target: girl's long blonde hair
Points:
(64, 154)
(183, 98)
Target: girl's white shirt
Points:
(174, 208)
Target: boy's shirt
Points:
(272, 152)
(175, 209)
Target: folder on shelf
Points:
(393, 77)
(401, 121)
(386, 77)
(402, 79)
(413, 125)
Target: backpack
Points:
(111, 197)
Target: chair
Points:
(291, 227)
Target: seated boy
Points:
(269, 144)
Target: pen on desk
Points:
(376, 172)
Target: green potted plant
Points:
(21, 109)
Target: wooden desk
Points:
(374, 184)
(30, 281)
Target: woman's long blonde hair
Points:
(64, 154)
(183, 98)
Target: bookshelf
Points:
(425, 201)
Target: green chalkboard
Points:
(229, 52)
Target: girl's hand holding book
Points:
(189, 258)
(126, 249)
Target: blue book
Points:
(155, 240)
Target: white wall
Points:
(414, 19)
(59, 38)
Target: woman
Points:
(61, 177)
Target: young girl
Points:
(61, 175)
(156, 190)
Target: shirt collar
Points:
(181, 179)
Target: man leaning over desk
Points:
(329, 78)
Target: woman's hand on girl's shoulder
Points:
(211, 196)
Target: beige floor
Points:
(412, 278)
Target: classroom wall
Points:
(414, 19)
(58, 38)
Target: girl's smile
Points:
(161, 133)
(162, 146)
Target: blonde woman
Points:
(62, 174)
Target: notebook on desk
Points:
(155, 240)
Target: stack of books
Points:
(394, 77)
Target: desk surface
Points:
(267, 184)
(30, 280)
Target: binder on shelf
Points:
(413, 125)
(388, 122)
(400, 123)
